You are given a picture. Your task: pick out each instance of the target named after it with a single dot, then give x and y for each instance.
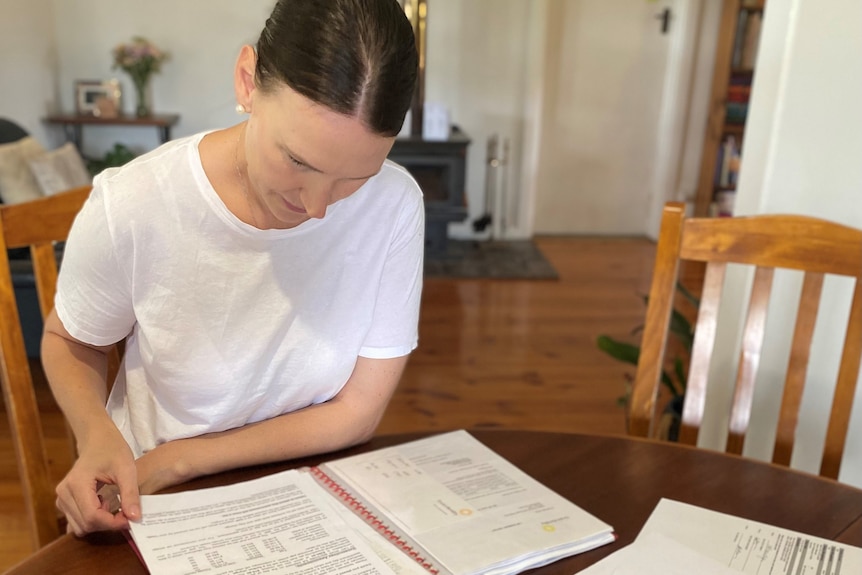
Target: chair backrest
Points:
(37, 225)
(814, 246)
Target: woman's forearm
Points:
(348, 419)
(76, 373)
(77, 376)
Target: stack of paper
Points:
(468, 509)
(681, 539)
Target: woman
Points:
(266, 277)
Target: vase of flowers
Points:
(140, 59)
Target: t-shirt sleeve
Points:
(94, 296)
(395, 326)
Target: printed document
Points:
(284, 523)
(680, 538)
(467, 507)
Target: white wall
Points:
(28, 64)
(46, 45)
(203, 38)
(687, 176)
(477, 64)
(802, 155)
(485, 62)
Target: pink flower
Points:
(139, 59)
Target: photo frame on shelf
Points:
(99, 98)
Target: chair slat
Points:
(701, 352)
(45, 270)
(797, 368)
(845, 389)
(749, 359)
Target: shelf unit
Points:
(733, 74)
(73, 124)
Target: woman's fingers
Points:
(85, 513)
(129, 493)
(95, 490)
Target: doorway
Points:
(613, 109)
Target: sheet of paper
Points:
(656, 554)
(748, 546)
(399, 562)
(284, 523)
(469, 507)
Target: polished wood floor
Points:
(513, 354)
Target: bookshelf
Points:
(736, 53)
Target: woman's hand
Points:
(106, 460)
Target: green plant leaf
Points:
(681, 328)
(687, 295)
(681, 377)
(620, 350)
(116, 156)
(667, 381)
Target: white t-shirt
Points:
(229, 324)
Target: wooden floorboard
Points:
(492, 353)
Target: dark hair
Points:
(356, 57)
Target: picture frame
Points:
(98, 98)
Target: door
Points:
(603, 111)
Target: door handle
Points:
(664, 16)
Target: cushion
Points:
(60, 170)
(17, 183)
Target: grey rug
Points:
(517, 259)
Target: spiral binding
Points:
(371, 518)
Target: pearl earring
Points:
(240, 109)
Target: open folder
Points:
(443, 504)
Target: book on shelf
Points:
(746, 39)
(751, 41)
(739, 38)
(725, 201)
(738, 93)
(442, 504)
(736, 112)
(738, 96)
(727, 163)
(726, 177)
(679, 539)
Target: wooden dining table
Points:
(618, 479)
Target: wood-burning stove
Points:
(440, 169)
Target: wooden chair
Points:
(37, 225)
(816, 247)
